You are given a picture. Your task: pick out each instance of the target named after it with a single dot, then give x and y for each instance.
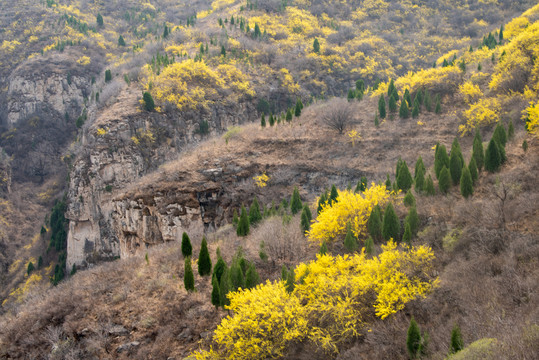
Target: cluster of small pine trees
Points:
(358, 92)
(204, 261)
(418, 341)
(278, 119)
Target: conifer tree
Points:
(382, 107)
(243, 223)
(413, 339)
(351, 95)
(237, 278)
(289, 115)
(510, 131)
(525, 145)
(306, 218)
(188, 277)
(438, 108)
(429, 186)
(395, 95)
(321, 202)
(298, 108)
(407, 236)
(500, 36)
(479, 67)
(224, 287)
(369, 246)
(404, 178)
(408, 98)
(290, 281)
(415, 110)
(419, 180)
(473, 170)
(466, 182)
(166, 32)
(388, 183)
(333, 195)
(444, 180)
(316, 46)
(392, 104)
(187, 249)
(493, 159)
(108, 75)
(271, 120)
(390, 88)
(223, 50)
(254, 212)
(219, 268)
(413, 219)
(391, 224)
(350, 242)
(257, 31)
(376, 120)
(252, 278)
(73, 270)
(478, 152)
(30, 268)
(427, 101)
(235, 219)
(455, 167)
(323, 248)
(204, 260)
(403, 110)
(374, 223)
(99, 20)
(295, 202)
(215, 295)
(121, 41)
(40, 262)
(360, 86)
(409, 199)
(440, 159)
(149, 104)
(263, 120)
(419, 164)
(500, 135)
(456, 340)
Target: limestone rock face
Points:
(123, 144)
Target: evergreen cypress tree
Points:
(369, 246)
(219, 269)
(252, 278)
(333, 195)
(479, 67)
(374, 223)
(271, 120)
(409, 199)
(166, 32)
(404, 113)
(466, 183)
(407, 236)
(478, 152)
(263, 120)
(290, 281)
(392, 104)
(237, 278)
(316, 46)
(321, 202)
(306, 217)
(455, 167)
(224, 287)
(510, 131)
(297, 112)
(408, 98)
(419, 164)
(73, 270)
(376, 120)
(438, 108)
(444, 180)
(500, 36)
(99, 20)
(121, 41)
(254, 212)
(413, 219)
(40, 262)
(204, 260)
(289, 115)
(223, 50)
(243, 223)
(417, 104)
(473, 170)
(456, 340)
(388, 182)
(323, 248)
(30, 268)
(500, 135)
(427, 101)
(440, 159)
(235, 219)
(493, 159)
(215, 295)
(404, 178)
(108, 75)
(188, 277)
(295, 202)
(350, 241)
(413, 339)
(382, 107)
(525, 145)
(395, 95)
(187, 249)
(419, 181)
(429, 186)
(360, 86)
(391, 224)
(390, 88)
(351, 95)
(149, 104)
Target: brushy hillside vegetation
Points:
(317, 274)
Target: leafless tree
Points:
(338, 115)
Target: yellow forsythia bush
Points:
(484, 112)
(531, 116)
(350, 207)
(334, 300)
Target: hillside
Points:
(126, 125)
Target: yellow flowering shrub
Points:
(470, 92)
(484, 112)
(531, 116)
(333, 301)
(350, 207)
(445, 79)
(84, 60)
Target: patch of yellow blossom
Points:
(287, 81)
(531, 116)
(8, 46)
(333, 301)
(84, 60)
(470, 92)
(484, 112)
(261, 180)
(349, 207)
(354, 136)
(101, 132)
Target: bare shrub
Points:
(110, 92)
(338, 115)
